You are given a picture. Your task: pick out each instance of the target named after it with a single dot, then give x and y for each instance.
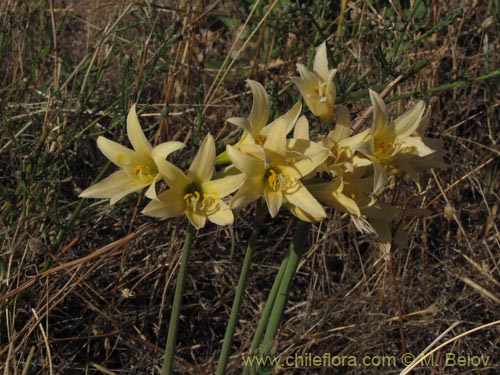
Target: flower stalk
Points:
(168, 359)
(268, 308)
(240, 289)
(276, 302)
(296, 249)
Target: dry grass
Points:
(86, 288)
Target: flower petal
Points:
(417, 146)
(380, 177)
(249, 192)
(169, 204)
(196, 218)
(260, 108)
(274, 199)
(115, 187)
(347, 204)
(174, 177)
(301, 130)
(203, 164)
(120, 155)
(223, 216)
(247, 164)
(310, 80)
(136, 135)
(305, 166)
(343, 126)
(224, 186)
(303, 199)
(409, 122)
(241, 122)
(151, 191)
(380, 117)
(320, 65)
(278, 129)
(165, 149)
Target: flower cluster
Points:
(277, 161)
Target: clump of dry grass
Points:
(87, 288)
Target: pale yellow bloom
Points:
(255, 127)
(273, 173)
(394, 142)
(343, 146)
(317, 87)
(194, 194)
(259, 114)
(137, 167)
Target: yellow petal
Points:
(274, 200)
(151, 191)
(169, 204)
(253, 150)
(380, 116)
(174, 177)
(301, 214)
(346, 204)
(115, 187)
(198, 220)
(241, 122)
(290, 118)
(275, 143)
(203, 164)
(249, 192)
(425, 122)
(120, 155)
(224, 186)
(380, 177)
(418, 147)
(260, 108)
(330, 193)
(301, 130)
(247, 164)
(320, 65)
(305, 166)
(310, 81)
(165, 149)
(136, 135)
(303, 199)
(409, 122)
(223, 216)
(343, 126)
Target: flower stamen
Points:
(278, 181)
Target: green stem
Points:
(276, 301)
(296, 249)
(254, 346)
(235, 309)
(168, 359)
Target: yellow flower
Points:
(194, 194)
(342, 145)
(317, 87)
(137, 167)
(258, 117)
(396, 142)
(273, 173)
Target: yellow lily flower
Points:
(317, 87)
(343, 146)
(137, 167)
(258, 117)
(194, 194)
(396, 142)
(255, 130)
(272, 173)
